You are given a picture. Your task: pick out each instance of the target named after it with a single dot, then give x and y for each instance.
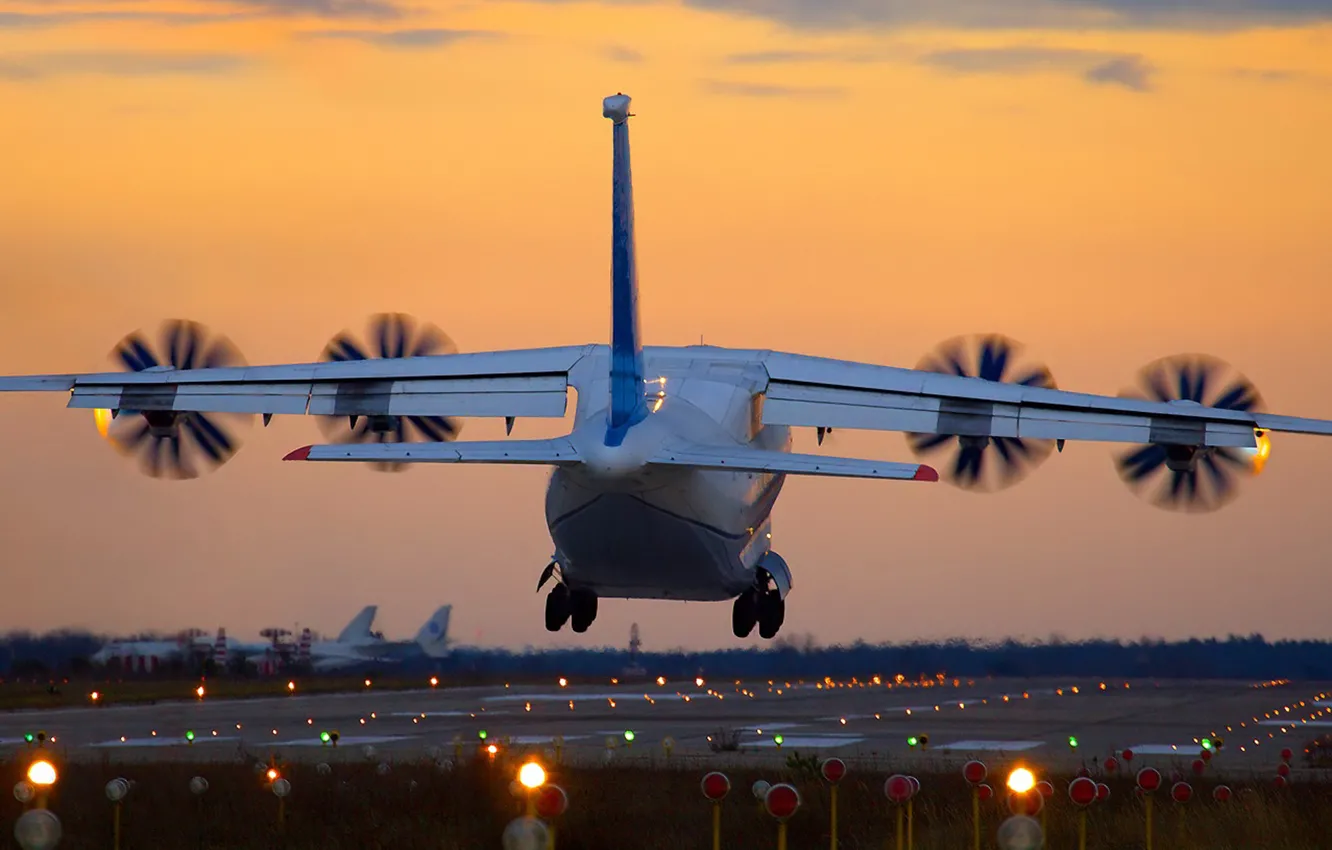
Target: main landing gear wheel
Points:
(584, 609)
(557, 608)
(744, 614)
(771, 614)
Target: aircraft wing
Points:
(823, 393)
(744, 459)
(523, 383)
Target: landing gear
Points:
(563, 604)
(584, 605)
(765, 608)
(744, 614)
(558, 607)
(771, 614)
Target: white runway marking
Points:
(1189, 749)
(344, 741)
(765, 728)
(164, 741)
(577, 697)
(531, 740)
(809, 742)
(993, 745)
(425, 715)
(1294, 723)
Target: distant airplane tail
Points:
(433, 638)
(358, 630)
(627, 404)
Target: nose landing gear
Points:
(564, 604)
(763, 607)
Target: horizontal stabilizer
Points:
(556, 451)
(759, 460)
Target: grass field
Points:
(421, 805)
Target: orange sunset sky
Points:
(1108, 181)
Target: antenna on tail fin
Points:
(627, 404)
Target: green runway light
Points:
(324, 737)
(27, 737)
(481, 734)
(189, 735)
(912, 741)
(1206, 743)
(629, 735)
(1073, 742)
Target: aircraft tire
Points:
(771, 614)
(584, 607)
(558, 608)
(744, 614)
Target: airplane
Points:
(665, 485)
(431, 641)
(273, 650)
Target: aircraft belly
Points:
(676, 535)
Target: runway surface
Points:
(1161, 722)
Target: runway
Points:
(1161, 722)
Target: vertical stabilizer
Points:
(433, 638)
(358, 630)
(627, 405)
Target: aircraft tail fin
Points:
(303, 648)
(433, 638)
(358, 630)
(627, 405)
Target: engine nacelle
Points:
(775, 566)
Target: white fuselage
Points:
(624, 529)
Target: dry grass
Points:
(419, 805)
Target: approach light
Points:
(1021, 780)
(199, 692)
(434, 681)
(492, 749)
(291, 686)
(42, 773)
(94, 696)
(367, 683)
(698, 682)
(532, 776)
(564, 683)
(272, 774)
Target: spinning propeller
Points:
(169, 443)
(1010, 459)
(390, 335)
(1193, 478)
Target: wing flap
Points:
(557, 451)
(741, 459)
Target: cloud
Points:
(616, 53)
(42, 65)
(774, 57)
(42, 20)
(405, 39)
(339, 9)
(1061, 14)
(1131, 72)
(769, 90)
(1280, 75)
(1094, 66)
